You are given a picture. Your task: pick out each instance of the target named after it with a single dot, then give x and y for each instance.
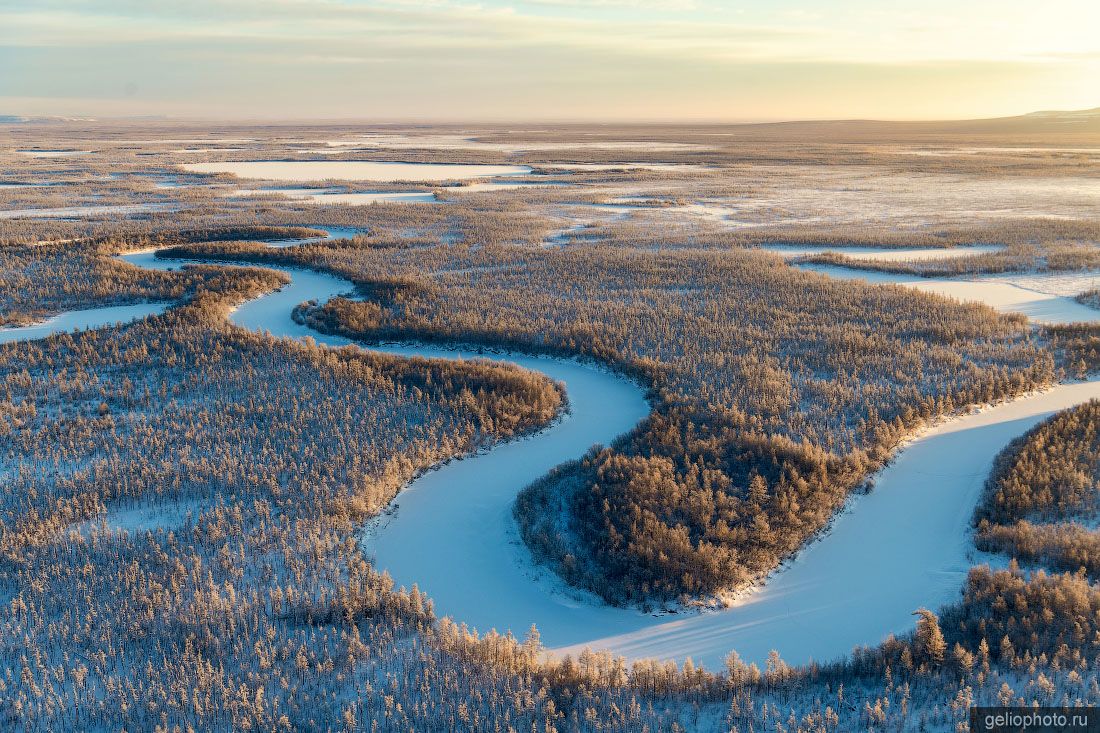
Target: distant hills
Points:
(1085, 120)
(1071, 123)
(1064, 114)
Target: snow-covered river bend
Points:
(905, 545)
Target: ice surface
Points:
(880, 254)
(1024, 294)
(355, 170)
(329, 196)
(82, 319)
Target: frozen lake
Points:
(884, 255)
(1042, 297)
(355, 170)
(322, 196)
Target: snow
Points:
(1053, 283)
(54, 153)
(453, 533)
(502, 186)
(271, 312)
(146, 517)
(879, 254)
(585, 216)
(81, 319)
(329, 196)
(685, 167)
(333, 196)
(80, 211)
(465, 142)
(1038, 296)
(330, 233)
(911, 201)
(355, 170)
(184, 141)
(1003, 149)
(905, 545)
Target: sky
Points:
(551, 60)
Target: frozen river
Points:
(451, 530)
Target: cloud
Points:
(604, 57)
(663, 5)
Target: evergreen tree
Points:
(929, 641)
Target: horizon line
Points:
(415, 120)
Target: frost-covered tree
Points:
(930, 643)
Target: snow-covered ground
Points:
(885, 255)
(330, 233)
(54, 153)
(332, 196)
(324, 196)
(683, 167)
(502, 186)
(208, 150)
(1003, 149)
(1042, 297)
(355, 170)
(584, 216)
(73, 212)
(903, 546)
(909, 201)
(183, 141)
(168, 515)
(465, 142)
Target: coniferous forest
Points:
(184, 499)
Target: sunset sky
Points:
(548, 59)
